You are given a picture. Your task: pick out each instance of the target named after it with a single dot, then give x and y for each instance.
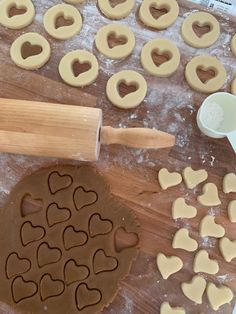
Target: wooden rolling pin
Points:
(62, 131)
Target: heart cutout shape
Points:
(99, 226)
(58, 182)
(22, 289)
(74, 272)
(194, 177)
(124, 240)
(16, 265)
(80, 67)
(206, 74)
(56, 214)
(160, 58)
(167, 309)
(47, 255)
(30, 206)
(113, 40)
(74, 238)
(201, 29)
(125, 89)
(103, 263)
(182, 240)
(229, 183)
(28, 50)
(209, 228)
(30, 233)
(83, 198)
(180, 209)
(114, 3)
(16, 10)
(50, 287)
(232, 211)
(158, 11)
(218, 296)
(210, 195)
(86, 296)
(168, 179)
(203, 264)
(228, 249)
(168, 265)
(62, 21)
(195, 289)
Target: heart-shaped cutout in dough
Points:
(200, 29)
(181, 210)
(157, 11)
(114, 40)
(194, 177)
(16, 10)
(203, 264)
(126, 89)
(168, 265)
(209, 228)
(210, 195)
(232, 211)
(228, 249)
(168, 179)
(183, 241)
(229, 183)
(167, 309)
(159, 57)
(28, 50)
(218, 296)
(114, 3)
(194, 289)
(206, 74)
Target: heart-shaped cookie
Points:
(86, 296)
(83, 198)
(16, 265)
(183, 241)
(58, 182)
(103, 263)
(232, 211)
(194, 290)
(22, 289)
(181, 210)
(194, 177)
(50, 287)
(229, 183)
(74, 272)
(168, 265)
(167, 179)
(167, 309)
(203, 264)
(218, 296)
(47, 255)
(125, 240)
(99, 226)
(30, 233)
(30, 206)
(209, 228)
(228, 249)
(74, 238)
(56, 214)
(210, 195)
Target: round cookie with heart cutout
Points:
(65, 242)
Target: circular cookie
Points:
(131, 100)
(161, 47)
(37, 51)
(205, 63)
(20, 20)
(233, 45)
(120, 32)
(69, 13)
(200, 19)
(81, 57)
(233, 87)
(117, 12)
(163, 21)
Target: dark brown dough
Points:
(60, 246)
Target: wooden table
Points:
(169, 106)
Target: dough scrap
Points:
(203, 264)
(118, 12)
(201, 19)
(130, 100)
(163, 21)
(161, 46)
(229, 183)
(228, 249)
(233, 87)
(20, 20)
(218, 296)
(232, 211)
(182, 240)
(168, 179)
(210, 195)
(195, 289)
(209, 228)
(181, 210)
(194, 177)
(205, 62)
(168, 265)
(167, 309)
(69, 13)
(233, 45)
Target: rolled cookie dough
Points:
(209, 228)
(20, 20)
(228, 249)
(131, 100)
(194, 289)
(163, 21)
(232, 211)
(161, 46)
(168, 179)
(167, 309)
(194, 177)
(233, 87)
(229, 183)
(83, 79)
(201, 19)
(218, 296)
(203, 264)
(233, 45)
(183, 241)
(181, 210)
(119, 31)
(117, 12)
(35, 61)
(210, 195)
(168, 265)
(205, 63)
(68, 12)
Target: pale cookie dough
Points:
(118, 12)
(229, 183)
(218, 296)
(201, 19)
(228, 249)
(167, 309)
(69, 13)
(119, 31)
(181, 210)
(168, 265)
(183, 241)
(83, 79)
(160, 46)
(35, 61)
(194, 177)
(168, 179)
(16, 21)
(205, 63)
(203, 264)
(194, 289)
(163, 21)
(232, 211)
(209, 228)
(130, 78)
(233, 87)
(233, 45)
(210, 195)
